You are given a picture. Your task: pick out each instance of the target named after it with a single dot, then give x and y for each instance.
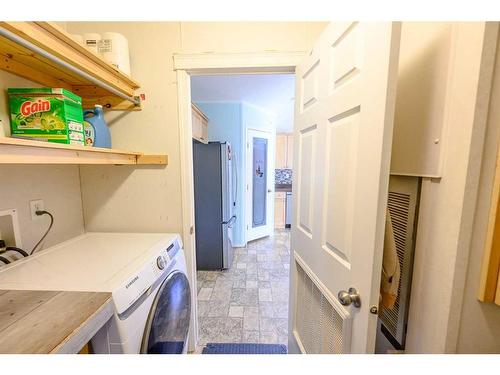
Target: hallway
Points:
(249, 302)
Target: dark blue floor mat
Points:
(212, 348)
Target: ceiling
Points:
(273, 92)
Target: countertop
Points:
(283, 187)
(35, 321)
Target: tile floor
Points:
(249, 302)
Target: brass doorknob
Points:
(350, 297)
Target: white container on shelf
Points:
(91, 41)
(113, 47)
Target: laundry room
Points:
(193, 185)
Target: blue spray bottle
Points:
(96, 130)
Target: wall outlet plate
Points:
(36, 205)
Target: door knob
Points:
(351, 296)
(269, 191)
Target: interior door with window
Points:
(345, 95)
(260, 184)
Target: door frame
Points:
(271, 151)
(186, 65)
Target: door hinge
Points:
(191, 230)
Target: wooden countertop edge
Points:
(75, 341)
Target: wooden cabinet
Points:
(200, 124)
(280, 151)
(289, 151)
(284, 151)
(279, 209)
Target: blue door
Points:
(259, 181)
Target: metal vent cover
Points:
(402, 204)
(320, 326)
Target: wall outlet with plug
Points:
(36, 205)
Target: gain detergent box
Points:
(49, 114)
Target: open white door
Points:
(260, 184)
(345, 94)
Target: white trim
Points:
(187, 194)
(267, 230)
(191, 64)
(258, 62)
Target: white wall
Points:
(58, 186)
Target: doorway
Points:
(260, 183)
(245, 300)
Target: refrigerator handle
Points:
(235, 167)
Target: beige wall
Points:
(479, 326)
(421, 98)
(58, 186)
(447, 209)
(149, 199)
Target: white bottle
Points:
(113, 47)
(78, 38)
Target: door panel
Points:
(307, 140)
(345, 94)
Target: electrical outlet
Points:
(36, 205)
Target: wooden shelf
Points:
(20, 151)
(51, 38)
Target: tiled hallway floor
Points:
(249, 302)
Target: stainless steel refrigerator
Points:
(214, 219)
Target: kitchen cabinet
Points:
(289, 151)
(279, 209)
(200, 124)
(284, 151)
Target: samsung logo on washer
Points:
(131, 282)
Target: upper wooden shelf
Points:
(51, 38)
(21, 151)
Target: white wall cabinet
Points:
(284, 151)
(200, 124)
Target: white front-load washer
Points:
(145, 272)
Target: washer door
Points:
(167, 327)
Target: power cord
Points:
(40, 213)
(17, 250)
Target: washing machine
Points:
(145, 272)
